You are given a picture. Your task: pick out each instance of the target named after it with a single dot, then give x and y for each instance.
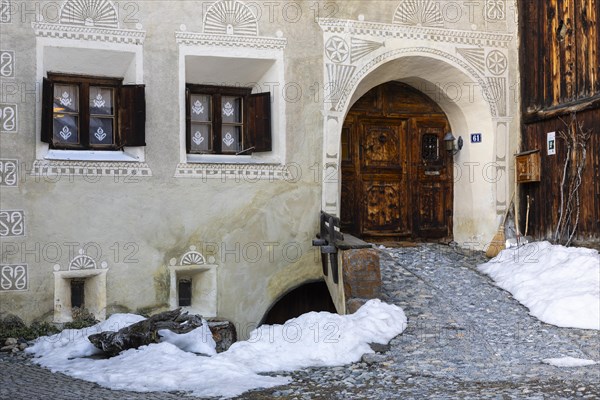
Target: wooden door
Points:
(383, 188)
(431, 178)
(396, 175)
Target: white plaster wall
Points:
(258, 231)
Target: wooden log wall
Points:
(560, 75)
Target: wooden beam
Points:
(564, 109)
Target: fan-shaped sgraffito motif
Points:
(498, 94)
(192, 258)
(475, 57)
(419, 13)
(362, 47)
(230, 17)
(338, 76)
(98, 13)
(82, 262)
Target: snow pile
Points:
(72, 343)
(559, 285)
(313, 339)
(198, 341)
(566, 362)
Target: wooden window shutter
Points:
(188, 122)
(258, 132)
(47, 111)
(132, 115)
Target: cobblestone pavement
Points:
(465, 339)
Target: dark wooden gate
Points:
(396, 177)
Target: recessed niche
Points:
(193, 284)
(78, 293)
(83, 284)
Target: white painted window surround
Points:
(242, 61)
(115, 53)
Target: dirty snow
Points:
(313, 339)
(559, 285)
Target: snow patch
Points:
(559, 285)
(198, 341)
(566, 362)
(313, 339)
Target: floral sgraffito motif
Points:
(198, 138)
(337, 49)
(8, 117)
(228, 109)
(13, 277)
(497, 62)
(495, 10)
(65, 133)
(99, 101)
(228, 139)
(198, 108)
(66, 100)
(100, 134)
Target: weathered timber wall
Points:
(560, 74)
(545, 195)
(559, 52)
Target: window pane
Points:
(231, 139)
(66, 128)
(231, 109)
(101, 101)
(430, 148)
(66, 98)
(101, 130)
(200, 140)
(200, 107)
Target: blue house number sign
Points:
(475, 137)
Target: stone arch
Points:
(396, 54)
(427, 69)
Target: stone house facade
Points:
(164, 153)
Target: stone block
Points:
(352, 305)
(361, 273)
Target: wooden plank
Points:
(576, 106)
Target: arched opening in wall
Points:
(313, 296)
(397, 177)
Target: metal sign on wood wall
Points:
(551, 140)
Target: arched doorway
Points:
(396, 175)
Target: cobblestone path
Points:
(465, 339)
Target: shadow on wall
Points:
(312, 296)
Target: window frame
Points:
(129, 112)
(256, 131)
(83, 83)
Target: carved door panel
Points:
(396, 174)
(431, 179)
(383, 159)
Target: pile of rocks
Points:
(13, 345)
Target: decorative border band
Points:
(203, 39)
(86, 168)
(239, 172)
(127, 36)
(415, 33)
